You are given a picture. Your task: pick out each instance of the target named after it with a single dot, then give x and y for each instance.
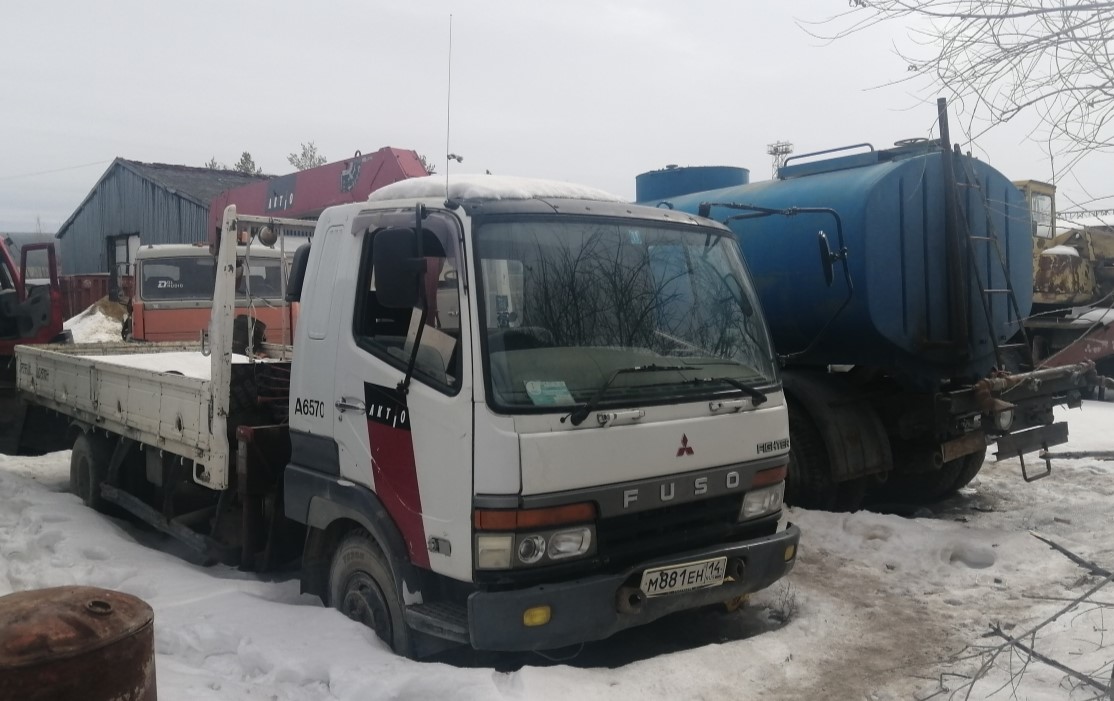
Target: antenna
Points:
(449, 109)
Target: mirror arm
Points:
(404, 383)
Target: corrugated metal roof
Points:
(199, 184)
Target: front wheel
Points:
(362, 587)
(809, 483)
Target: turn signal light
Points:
(522, 519)
(771, 475)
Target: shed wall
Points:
(124, 203)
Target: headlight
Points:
(535, 537)
(1004, 419)
(530, 549)
(570, 543)
(760, 502)
(501, 551)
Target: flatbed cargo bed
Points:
(158, 394)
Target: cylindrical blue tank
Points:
(671, 180)
(892, 208)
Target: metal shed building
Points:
(133, 203)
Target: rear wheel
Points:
(362, 587)
(969, 467)
(89, 469)
(929, 487)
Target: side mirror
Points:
(398, 269)
(297, 274)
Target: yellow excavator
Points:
(1073, 283)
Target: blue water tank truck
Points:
(898, 341)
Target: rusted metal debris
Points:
(76, 643)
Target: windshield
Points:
(186, 277)
(567, 304)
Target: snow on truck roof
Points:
(181, 250)
(489, 187)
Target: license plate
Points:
(690, 575)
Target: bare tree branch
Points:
(998, 59)
(1085, 564)
(1049, 661)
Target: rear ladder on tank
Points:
(987, 294)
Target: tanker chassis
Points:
(484, 433)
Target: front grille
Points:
(626, 539)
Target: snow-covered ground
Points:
(880, 607)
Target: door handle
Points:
(350, 404)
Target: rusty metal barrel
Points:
(76, 643)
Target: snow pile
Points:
(1061, 251)
(879, 607)
(488, 187)
(102, 322)
(1098, 315)
(188, 363)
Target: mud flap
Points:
(855, 439)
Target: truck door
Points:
(414, 447)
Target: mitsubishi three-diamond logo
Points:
(685, 448)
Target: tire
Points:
(89, 468)
(362, 587)
(930, 487)
(809, 483)
(971, 464)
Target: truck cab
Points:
(173, 296)
(524, 414)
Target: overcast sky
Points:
(592, 91)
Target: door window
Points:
(390, 333)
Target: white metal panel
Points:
(311, 386)
(496, 454)
(439, 436)
(141, 403)
(557, 457)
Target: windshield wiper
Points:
(758, 397)
(580, 413)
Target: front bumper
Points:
(596, 607)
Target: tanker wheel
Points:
(929, 487)
(89, 469)
(968, 468)
(362, 587)
(809, 483)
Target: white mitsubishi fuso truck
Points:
(517, 414)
